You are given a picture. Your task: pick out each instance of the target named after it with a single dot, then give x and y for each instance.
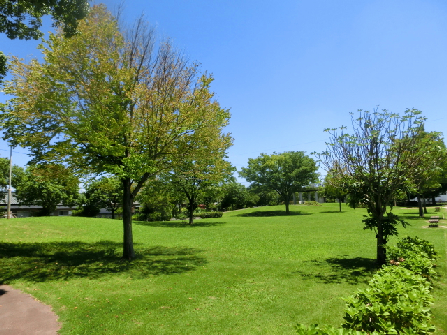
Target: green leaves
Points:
(398, 298)
(48, 186)
(285, 173)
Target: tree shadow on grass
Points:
(179, 223)
(333, 212)
(40, 262)
(411, 217)
(341, 269)
(271, 213)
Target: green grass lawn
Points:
(254, 271)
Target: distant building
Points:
(22, 211)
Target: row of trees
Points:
(160, 199)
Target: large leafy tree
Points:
(286, 173)
(23, 18)
(370, 162)
(48, 186)
(110, 102)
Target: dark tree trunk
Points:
(113, 213)
(425, 205)
(191, 208)
(286, 202)
(191, 218)
(421, 213)
(433, 200)
(128, 252)
(381, 242)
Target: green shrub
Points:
(397, 301)
(157, 216)
(418, 245)
(207, 215)
(413, 254)
(312, 203)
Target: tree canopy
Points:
(286, 173)
(23, 18)
(106, 101)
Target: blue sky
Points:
(288, 69)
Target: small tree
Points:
(105, 192)
(158, 200)
(334, 185)
(286, 173)
(371, 164)
(195, 178)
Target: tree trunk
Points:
(339, 203)
(381, 242)
(425, 205)
(421, 213)
(128, 252)
(113, 213)
(286, 202)
(191, 218)
(191, 207)
(433, 200)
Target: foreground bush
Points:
(414, 254)
(398, 298)
(395, 301)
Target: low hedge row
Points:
(398, 298)
(208, 215)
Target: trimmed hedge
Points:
(208, 215)
(312, 203)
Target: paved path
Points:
(21, 314)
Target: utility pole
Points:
(8, 215)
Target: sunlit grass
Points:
(255, 271)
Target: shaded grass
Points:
(39, 262)
(266, 213)
(250, 272)
(180, 223)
